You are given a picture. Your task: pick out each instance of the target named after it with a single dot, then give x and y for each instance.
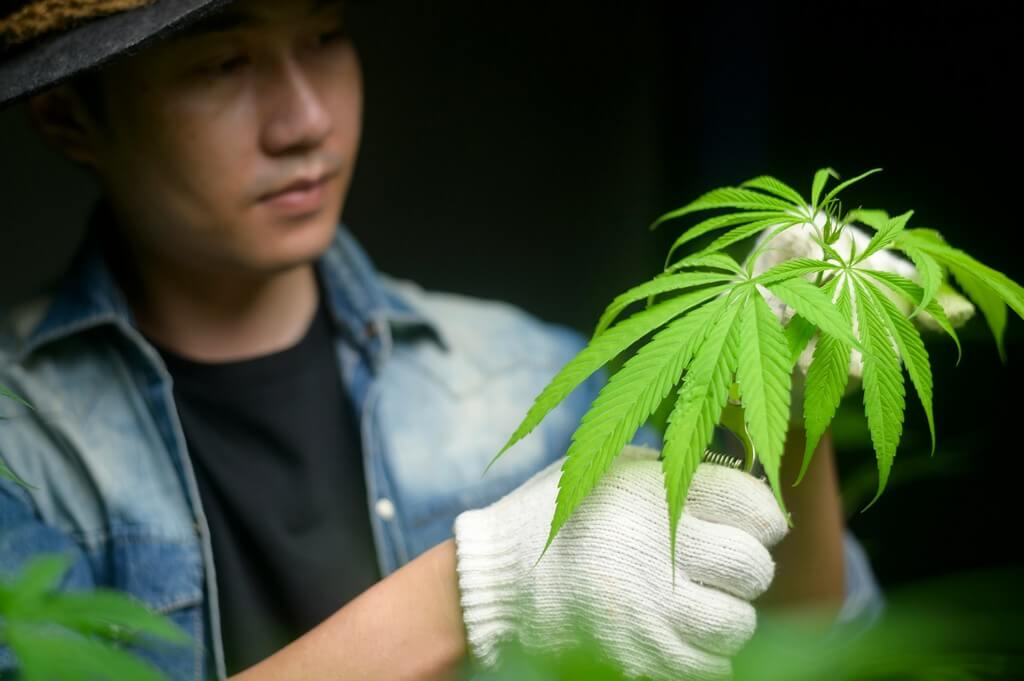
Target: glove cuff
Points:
(488, 572)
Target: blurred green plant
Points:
(77, 636)
(961, 628)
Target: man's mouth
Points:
(301, 184)
(304, 195)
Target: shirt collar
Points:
(359, 300)
(356, 296)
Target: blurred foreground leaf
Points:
(964, 628)
(68, 636)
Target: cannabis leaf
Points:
(73, 635)
(826, 380)
(5, 472)
(714, 336)
(883, 381)
(701, 399)
(764, 378)
(602, 349)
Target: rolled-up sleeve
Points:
(863, 603)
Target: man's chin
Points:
(300, 239)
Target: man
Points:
(243, 424)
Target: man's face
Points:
(231, 147)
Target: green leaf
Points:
(763, 374)
(599, 351)
(988, 301)
(721, 222)
(912, 350)
(662, 284)
(631, 395)
(884, 391)
(797, 267)
(780, 189)
(799, 332)
(827, 249)
(727, 197)
(766, 242)
(7, 474)
(885, 236)
(827, 377)
(37, 577)
(746, 231)
(914, 293)
(699, 405)
(715, 261)
(929, 271)
(875, 219)
(932, 236)
(44, 654)
(815, 305)
(1010, 291)
(820, 178)
(11, 395)
(843, 185)
(106, 613)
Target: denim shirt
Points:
(439, 382)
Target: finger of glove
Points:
(721, 556)
(712, 620)
(719, 494)
(539, 489)
(732, 564)
(678, 659)
(637, 453)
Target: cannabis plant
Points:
(718, 343)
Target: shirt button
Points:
(385, 509)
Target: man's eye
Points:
(330, 37)
(225, 66)
(231, 65)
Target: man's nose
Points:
(298, 118)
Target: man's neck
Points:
(217, 317)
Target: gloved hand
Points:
(796, 242)
(609, 567)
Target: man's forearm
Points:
(407, 627)
(809, 561)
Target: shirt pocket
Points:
(167, 576)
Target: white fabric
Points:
(610, 568)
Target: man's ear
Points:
(62, 118)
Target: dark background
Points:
(518, 151)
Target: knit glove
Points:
(609, 570)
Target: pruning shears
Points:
(740, 454)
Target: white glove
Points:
(796, 242)
(609, 568)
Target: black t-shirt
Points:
(275, 446)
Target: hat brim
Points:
(93, 44)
